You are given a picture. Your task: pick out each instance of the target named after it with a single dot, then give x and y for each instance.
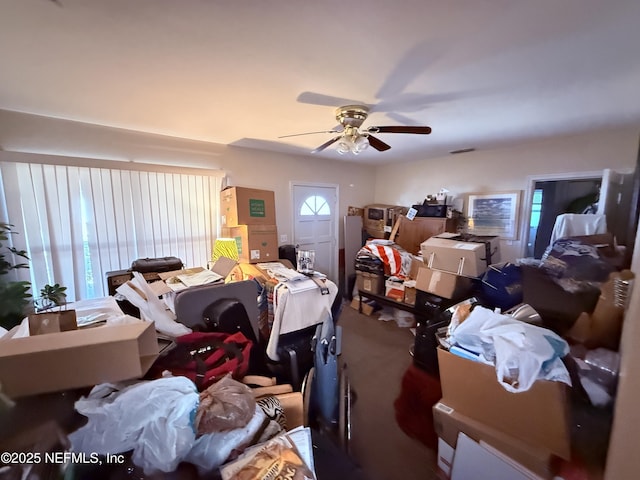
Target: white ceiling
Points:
(481, 73)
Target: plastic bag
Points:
(521, 353)
(154, 419)
(138, 292)
(225, 405)
(210, 451)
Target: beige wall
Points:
(33, 135)
(506, 169)
(358, 185)
(274, 171)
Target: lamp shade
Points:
(360, 144)
(344, 145)
(225, 247)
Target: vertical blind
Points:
(78, 223)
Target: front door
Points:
(315, 227)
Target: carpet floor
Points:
(376, 354)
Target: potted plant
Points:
(14, 294)
(51, 313)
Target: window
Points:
(315, 205)
(536, 208)
(78, 223)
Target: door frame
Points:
(528, 197)
(336, 187)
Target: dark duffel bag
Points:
(228, 315)
(156, 265)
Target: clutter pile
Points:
(167, 421)
(515, 347)
(159, 393)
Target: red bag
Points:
(205, 357)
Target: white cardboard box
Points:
(445, 457)
(456, 256)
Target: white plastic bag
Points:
(138, 292)
(154, 419)
(212, 450)
(521, 352)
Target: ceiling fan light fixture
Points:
(360, 144)
(353, 139)
(345, 145)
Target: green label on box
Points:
(257, 208)
(239, 244)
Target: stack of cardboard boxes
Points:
(517, 434)
(527, 431)
(249, 217)
(449, 269)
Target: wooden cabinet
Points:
(411, 233)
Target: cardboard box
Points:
(443, 284)
(256, 243)
(491, 244)
(416, 264)
(454, 256)
(247, 206)
(367, 306)
(478, 460)
(370, 282)
(76, 358)
(445, 457)
(394, 290)
(448, 423)
(355, 211)
(409, 292)
(538, 417)
(52, 321)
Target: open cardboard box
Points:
(443, 284)
(75, 359)
(539, 417)
(448, 423)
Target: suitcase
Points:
(156, 265)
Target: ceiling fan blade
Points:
(325, 100)
(326, 144)
(377, 143)
(311, 133)
(400, 129)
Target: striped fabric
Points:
(390, 256)
(225, 247)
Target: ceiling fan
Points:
(353, 138)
